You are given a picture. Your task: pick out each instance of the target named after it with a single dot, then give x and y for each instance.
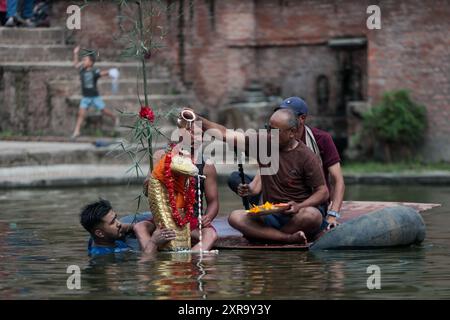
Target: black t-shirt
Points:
(89, 82)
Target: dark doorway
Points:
(351, 77)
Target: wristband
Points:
(333, 213)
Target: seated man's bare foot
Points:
(298, 237)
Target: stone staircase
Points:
(28, 44)
(38, 80)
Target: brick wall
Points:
(218, 47)
(264, 41)
(100, 21)
(412, 51)
(284, 44)
(29, 106)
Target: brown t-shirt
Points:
(299, 173)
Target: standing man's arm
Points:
(76, 59)
(331, 161)
(211, 194)
(338, 190)
(238, 138)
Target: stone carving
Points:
(252, 109)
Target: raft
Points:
(364, 225)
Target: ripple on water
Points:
(40, 237)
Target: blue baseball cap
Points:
(296, 104)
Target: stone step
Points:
(64, 70)
(22, 153)
(102, 151)
(29, 52)
(95, 121)
(124, 86)
(40, 36)
(70, 175)
(131, 102)
(49, 151)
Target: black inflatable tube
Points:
(389, 227)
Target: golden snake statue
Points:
(181, 169)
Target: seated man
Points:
(299, 181)
(108, 233)
(321, 143)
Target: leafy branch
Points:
(142, 32)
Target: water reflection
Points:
(347, 276)
(40, 237)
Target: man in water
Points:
(108, 233)
(299, 182)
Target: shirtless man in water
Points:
(299, 182)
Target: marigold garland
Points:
(189, 194)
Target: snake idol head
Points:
(182, 164)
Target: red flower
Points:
(147, 113)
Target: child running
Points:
(89, 76)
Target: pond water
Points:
(40, 237)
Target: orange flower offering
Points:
(267, 207)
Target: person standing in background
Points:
(15, 17)
(2, 12)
